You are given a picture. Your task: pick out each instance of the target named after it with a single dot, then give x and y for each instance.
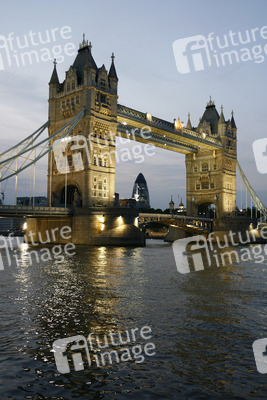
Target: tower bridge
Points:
(84, 120)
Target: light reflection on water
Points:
(203, 325)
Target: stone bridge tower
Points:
(82, 168)
(211, 175)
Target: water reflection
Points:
(203, 324)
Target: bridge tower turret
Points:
(90, 180)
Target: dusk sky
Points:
(141, 34)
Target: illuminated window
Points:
(205, 167)
(205, 185)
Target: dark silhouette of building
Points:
(140, 192)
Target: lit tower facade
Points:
(211, 175)
(84, 170)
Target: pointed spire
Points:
(233, 125)
(210, 103)
(84, 58)
(112, 71)
(188, 125)
(54, 76)
(84, 42)
(221, 119)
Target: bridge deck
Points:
(28, 211)
(163, 133)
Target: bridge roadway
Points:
(163, 133)
(7, 211)
(201, 222)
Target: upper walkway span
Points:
(163, 133)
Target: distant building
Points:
(140, 192)
(129, 203)
(171, 205)
(11, 224)
(39, 201)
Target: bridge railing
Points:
(162, 124)
(32, 210)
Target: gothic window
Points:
(100, 194)
(197, 187)
(70, 160)
(205, 167)
(72, 85)
(103, 82)
(68, 103)
(94, 193)
(72, 101)
(105, 195)
(214, 167)
(77, 100)
(205, 185)
(105, 181)
(94, 160)
(195, 169)
(68, 87)
(100, 162)
(212, 185)
(103, 98)
(63, 104)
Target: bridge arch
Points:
(207, 209)
(73, 196)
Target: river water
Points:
(202, 324)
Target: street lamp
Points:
(215, 198)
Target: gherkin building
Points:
(140, 192)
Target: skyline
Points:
(148, 79)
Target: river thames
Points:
(202, 325)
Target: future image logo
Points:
(260, 354)
(131, 345)
(197, 253)
(35, 47)
(196, 53)
(260, 155)
(191, 54)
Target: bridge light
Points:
(124, 123)
(24, 226)
(149, 117)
